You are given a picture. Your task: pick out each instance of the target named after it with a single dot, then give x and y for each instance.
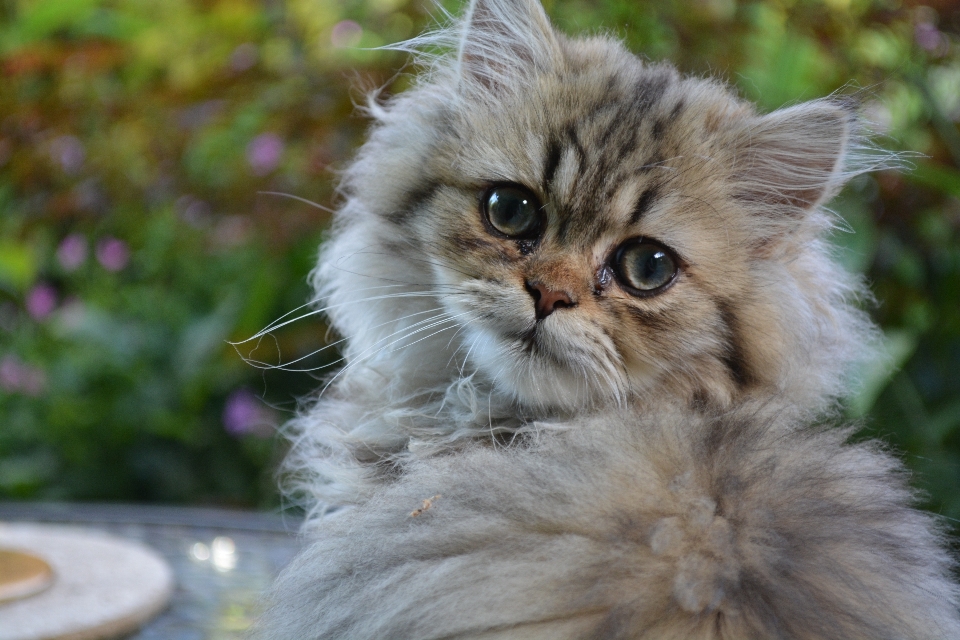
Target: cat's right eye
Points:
(513, 211)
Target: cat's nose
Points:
(546, 300)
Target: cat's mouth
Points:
(533, 343)
(529, 344)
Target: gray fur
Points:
(736, 526)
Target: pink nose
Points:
(546, 300)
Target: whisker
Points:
(359, 361)
(273, 326)
(251, 361)
(285, 366)
(293, 197)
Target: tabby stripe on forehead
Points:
(649, 92)
(643, 204)
(575, 142)
(628, 145)
(551, 161)
(656, 132)
(567, 219)
(677, 109)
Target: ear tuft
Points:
(794, 159)
(503, 40)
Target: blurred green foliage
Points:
(137, 137)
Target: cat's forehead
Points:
(603, 141)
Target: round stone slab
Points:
(22, 574)
(103, 586)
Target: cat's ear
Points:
(503, 41)
(793, 160)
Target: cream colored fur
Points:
(627, 466)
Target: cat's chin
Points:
(539, 375)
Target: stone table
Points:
(222, 560)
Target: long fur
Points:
(429, 307)
(628, 466)
(735, 526)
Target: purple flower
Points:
(194, 211)
(69, 152)
(345, 33)
(41, 301)
(113, 254)
(10, 374)
(72, 252)
(264, 153)
(928, 36)
(244, 414)
(18, 377)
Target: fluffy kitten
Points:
(587, 308)
(483, 269)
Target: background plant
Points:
(136, 138)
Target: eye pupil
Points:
(644, 266)
(654, 265)
(513, 211)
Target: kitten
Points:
(587, 309)
(545, 227)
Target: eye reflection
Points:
(513, 211)
(645, 267)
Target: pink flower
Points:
(346, 33)
(264, 153)
(41, 301)
(928, 36)
(244, 414)
(72, 252)
(18, 377)
(10, 374)
(113, 254)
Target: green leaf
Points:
(936, 176)
(18, 265)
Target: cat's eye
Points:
(513, 211)
(644, 267)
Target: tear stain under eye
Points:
(526, 247)
(602, 279)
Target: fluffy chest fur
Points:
(673, 527)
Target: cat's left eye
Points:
(645, 267)
(513, 211)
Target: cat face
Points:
(599, 229)
(596, 251)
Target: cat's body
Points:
(570, 282)
(735, 526)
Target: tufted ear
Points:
(504, 40)
(794, 159)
